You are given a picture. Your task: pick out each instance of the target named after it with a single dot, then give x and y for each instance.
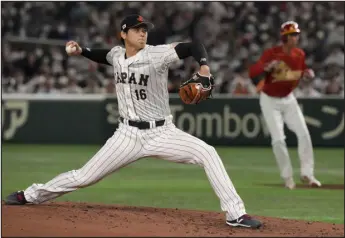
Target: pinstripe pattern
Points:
(152, 61)
(128, 144)
(121, 149)
(174, 145)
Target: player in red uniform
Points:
(281, 67)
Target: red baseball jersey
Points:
(285, 78)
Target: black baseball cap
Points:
(134, 21)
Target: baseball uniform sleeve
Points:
(96, 55)
(112, 54)
(162, 56)
(256, 71)
(258, 68)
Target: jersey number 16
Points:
(141, 94)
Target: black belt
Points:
(142, 125)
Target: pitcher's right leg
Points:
(120, 150)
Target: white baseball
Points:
(71, 49)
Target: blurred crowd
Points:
(234, 34)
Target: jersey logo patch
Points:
(284, 73)
(123, 77)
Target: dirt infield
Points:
(82, 219)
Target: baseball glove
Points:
(196, 89)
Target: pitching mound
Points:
(81, 219)
(306, 186)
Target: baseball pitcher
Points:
(146, 128)
(279, 70)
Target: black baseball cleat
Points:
(16, 198)
(245, 221)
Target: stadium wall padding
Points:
(219, 121)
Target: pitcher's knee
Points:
(207, 149)
(206, 152)
(212, 150)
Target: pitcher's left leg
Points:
(295, 121)
(175, 145)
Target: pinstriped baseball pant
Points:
(127, 145)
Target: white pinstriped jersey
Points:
(142, 81)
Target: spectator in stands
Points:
(231, 32)
(46, 85)
(241, 84)
(72, 87)
(92, 86)
(109, 87)
(306, 89)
